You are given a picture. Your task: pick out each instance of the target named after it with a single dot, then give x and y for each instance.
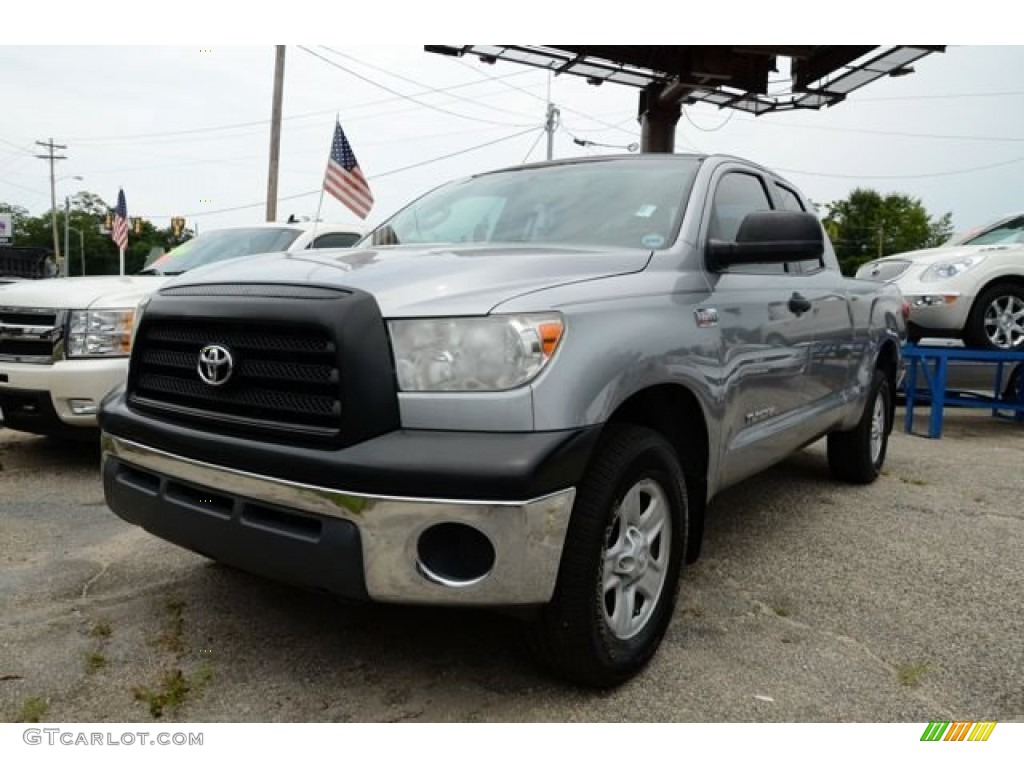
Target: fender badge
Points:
(706, 317)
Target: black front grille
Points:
(285, 380)
(21, 348)
(21, 317)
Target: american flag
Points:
(344, 180)
(119, 234)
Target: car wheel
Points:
(619, 574)
(996, 320)
(857, 455)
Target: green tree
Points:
(87, 214)
(866, 226)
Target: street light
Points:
(67, 217)
(81, 244)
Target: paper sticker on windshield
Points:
(653, 241)
(646, 211)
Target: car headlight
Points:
(484, 354)
(946, 269)
(100, 332)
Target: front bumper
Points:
(81, 383)
(355, 544)
(937, 310)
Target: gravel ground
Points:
(900, 601)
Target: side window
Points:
(788, 198)
(790, 201)
(736, 195)
(336, 240)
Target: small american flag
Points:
(119, 234)
(344, 180)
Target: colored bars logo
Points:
(958, 731)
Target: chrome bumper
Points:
(527, 536)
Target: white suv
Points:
(972, 288)
(64, 343)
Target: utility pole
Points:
(881, 235)
(551, 125)
(275, 134)
(53, 158)
(66, 268)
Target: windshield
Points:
(1002, 232)
(635, 204)
(221, 244)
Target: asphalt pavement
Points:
(813, 601)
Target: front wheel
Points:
(620, 567)
(996, 320)
(857, 455)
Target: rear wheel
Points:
(620, 567)
(857, 455)
(996, 320)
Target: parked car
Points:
(519, 392)
(64, 343)
(972, 288)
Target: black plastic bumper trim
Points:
(503, 466)
(31, 410)
(295, 547)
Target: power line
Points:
(533, 146)
(874, 132)
(720, 126)
(610, 126)
(903, 176)
(403, 95)
(942, 96)
(300, 116)
(370, 178)
(21, 186)
(417, 83)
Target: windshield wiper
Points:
(150, 271)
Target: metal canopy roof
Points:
(727, 76)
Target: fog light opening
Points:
(454, 555)
(83, 407)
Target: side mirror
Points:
(769, 237)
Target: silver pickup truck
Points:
(521, 391)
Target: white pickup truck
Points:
(64, 343)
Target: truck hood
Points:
(80, 292)
(937, 255)
(416, 281)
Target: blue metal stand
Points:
(933, 364)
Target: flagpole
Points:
(121, 251)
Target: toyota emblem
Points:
(215, 365)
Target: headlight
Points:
(483, 354)
(100, 333)
(947, 269)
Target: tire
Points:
(857, 455)
(1013, 392)
(996, 320)
(609, 612)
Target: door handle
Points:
(798, 304)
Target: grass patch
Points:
(171, 639)
(94, 662)
(100, 630)
(173, 690)
(33, 709)
(913, 481)
(910, 674)
(781, 610)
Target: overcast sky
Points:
(185, 130)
